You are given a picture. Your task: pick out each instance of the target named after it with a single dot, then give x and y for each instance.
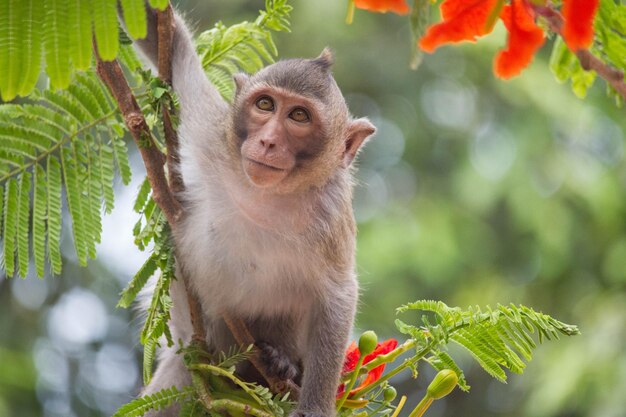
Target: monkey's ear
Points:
(358, 131)
(240, 80)
(326, 58)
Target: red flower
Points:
(352, 357)
(383, 6)
(466, 20)
(578, 26)
(525, 38)
(462, 20)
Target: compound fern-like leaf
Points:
(54, 213)
(40, 203)
(156, 401)
(23, 226)
(11, 203)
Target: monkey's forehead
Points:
(301, 76)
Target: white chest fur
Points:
(248, 255)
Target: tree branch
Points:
(111, 74)
(165, 33)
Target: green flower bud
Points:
(443, 384)
(367, 342)
(389, 394)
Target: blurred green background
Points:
(474, 191)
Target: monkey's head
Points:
(292, 129)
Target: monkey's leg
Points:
(329, 327)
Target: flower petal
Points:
(578, 18)
(462, 20)
(383, 6)
(525, 38)
(352, 357)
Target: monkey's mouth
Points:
(264, 165)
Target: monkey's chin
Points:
(263, 175)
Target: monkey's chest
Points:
(259, 274)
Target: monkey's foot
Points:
(276, 361)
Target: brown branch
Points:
(111, 74)
(165, 33)
(588, 61)
(244, 338)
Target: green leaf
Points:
(142, 196)
(159, 4)
(54, 214)
(105, 27)
(10, 53)
(56, 42)
(31, 45)
(135, 18)
(75, 202)
(79, 33)
(121, 156)
(23, 228)
(493, 337)
(107, 166)
(40, 203)
(138, 282)
(11, 207)
(157, 401)
(420, 19)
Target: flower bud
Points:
(367, 342)
(389, 394)
(443, 384)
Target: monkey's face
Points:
(280, 132)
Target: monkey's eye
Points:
(265, 103)
(299, 115)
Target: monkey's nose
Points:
(268, 143)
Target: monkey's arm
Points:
(200, 101)
(329, 328)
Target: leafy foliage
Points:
(495, 338)
(156, 401)
(62, 30)
(69, 137)
(242, 47)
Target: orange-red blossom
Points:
(467, 20)
(352, 358)
(383, 6)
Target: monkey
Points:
(267, 233)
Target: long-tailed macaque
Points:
(268, 234)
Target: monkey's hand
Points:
(277, 362)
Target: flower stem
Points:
(350, 15)
(350, 385)
(399, 406)
(422, 406)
